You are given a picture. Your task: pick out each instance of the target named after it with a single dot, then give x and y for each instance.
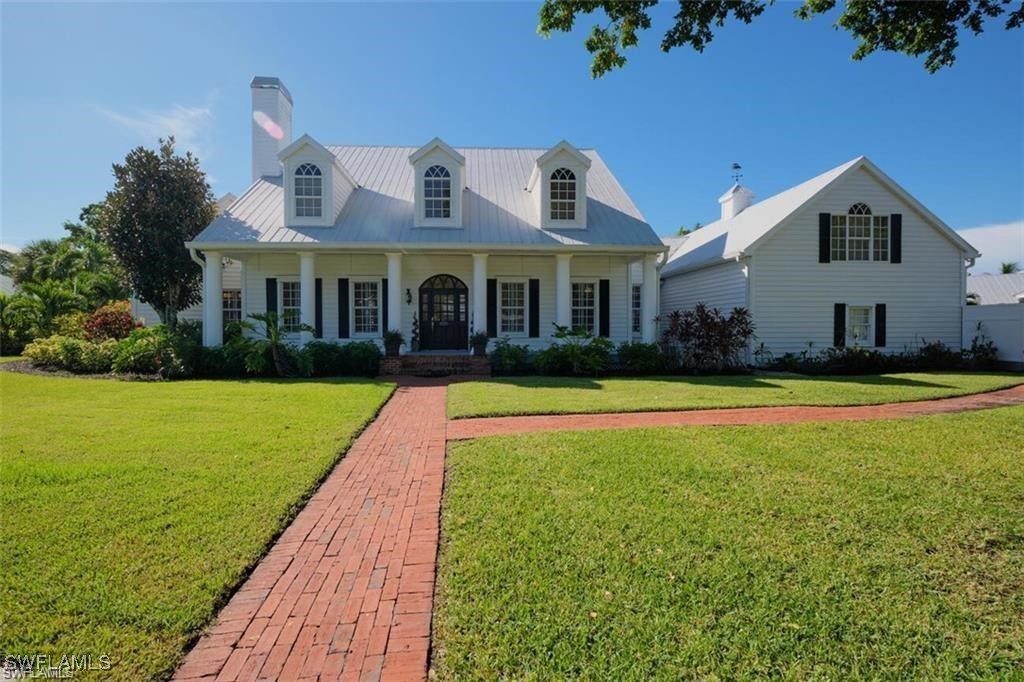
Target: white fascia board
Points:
(466, 247)
(437, 143)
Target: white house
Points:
(848, 257)
(356, 240)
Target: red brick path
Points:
(491, 426)
(347, 590)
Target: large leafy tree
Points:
(928, 28)
(160, 200)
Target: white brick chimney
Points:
(271, 124)
(735, 200)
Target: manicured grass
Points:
(558, 395)
(129, 510)
(9, 358)
(867, 550)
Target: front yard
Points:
(828, 550)
(561, 395)
(130, 510)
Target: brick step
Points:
(436, 365)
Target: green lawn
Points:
(129, 510)
(558, 395)
(877, 550)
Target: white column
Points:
(649, 299)
(307, 293)
(213, 300)
(479, 293)
(563, 290)
(394, 320)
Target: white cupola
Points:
(735, 200)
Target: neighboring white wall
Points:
(721, 286)
(232, 279)
(1003, 323)
(792, 294)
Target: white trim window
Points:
(437, 192)
(366, 307)
(512, 307)
(860, 236)
(291, 306)
(231, 305)
(858, 325)
(584, 306)
(635, 309)
(563, 194)
(309, 191)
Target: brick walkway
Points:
(347, 590)
(491, 426)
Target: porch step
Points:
(435, 365)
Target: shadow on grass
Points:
(720, 381)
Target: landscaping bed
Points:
(131, 510)
(571, 395)
(891, 549)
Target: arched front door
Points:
(443, 314)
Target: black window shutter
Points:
(839, 325)
(343, 308)
(603, 307)
(384, 304)
(319, 325)
(879, 324)
(896, 238)
(534, 308)
(272, 295)
(492, 308)
(824, 237)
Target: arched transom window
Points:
(309, 191)
(859, 235)
(563, 194)
(437, 193)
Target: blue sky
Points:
(82, 84)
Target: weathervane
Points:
(737, 172)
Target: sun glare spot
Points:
(268, 124)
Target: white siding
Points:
(1002, 323)
(792, 294)
(232, 279)
(721, 286)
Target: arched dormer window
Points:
(859, 235)
(309, 191)
(437, 192)
(563, 194)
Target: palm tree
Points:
(1009, 267)
(51, 298)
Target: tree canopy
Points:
(160, 200)
(928, 28)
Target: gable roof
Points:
(725, 240)
(437, 143)
(497, 211)
(992, 289)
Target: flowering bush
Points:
(112, 321)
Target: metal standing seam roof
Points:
(497, 209)
(992, 289)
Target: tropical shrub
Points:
(642, 358)
(19, 319)
(509, 358)
(360, 359)
(71, 324)
(46, 352)
(73, 355)
(707, 340)
(148, 350)
(575, 352)
(111, 321)
(982, 353)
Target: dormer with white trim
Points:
(559, 187)
(440, 174)
(316, 185)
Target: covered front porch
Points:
(435, 299)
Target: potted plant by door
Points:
(393, 340)
(479, 343)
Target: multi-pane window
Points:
(366, 307)
(513, 307)
(231, 305)
(584, 308)
(860, 236)
(563, 194)
(635, 309)
(858, 324)
(309, 191)
(291, 306)
(437, 192)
